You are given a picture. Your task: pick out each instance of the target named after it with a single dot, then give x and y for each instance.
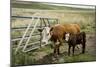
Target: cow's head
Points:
(67, 35)
(46, 35)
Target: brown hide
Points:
(72, 28)
(58, 33)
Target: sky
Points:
(89, 2)
(78, 6)
(85, 2)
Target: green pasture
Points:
(44, 56)
(84, 17)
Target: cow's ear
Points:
(51, 28)
(51, 33)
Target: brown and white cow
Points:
(57, 34)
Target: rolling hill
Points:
(41, 5)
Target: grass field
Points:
(44, 55)
(84, 17)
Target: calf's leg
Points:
(58, 51)
(83, 48)
(73, 50)
(69, 50)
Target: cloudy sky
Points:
(86, 2)
(90, 2)
(78, 6)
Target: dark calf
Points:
(75, 39)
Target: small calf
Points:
(75, 39)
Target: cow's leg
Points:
(58, 49)
(60, 43)
(57, 46)
(55, 50)
(69, 50)
(73, 50)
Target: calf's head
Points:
(67, 35)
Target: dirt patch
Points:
(91, 44)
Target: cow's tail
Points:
(84, 42)
(84, 36)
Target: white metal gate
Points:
(35, 21)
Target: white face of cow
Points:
(46, 35)
(67, 36)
